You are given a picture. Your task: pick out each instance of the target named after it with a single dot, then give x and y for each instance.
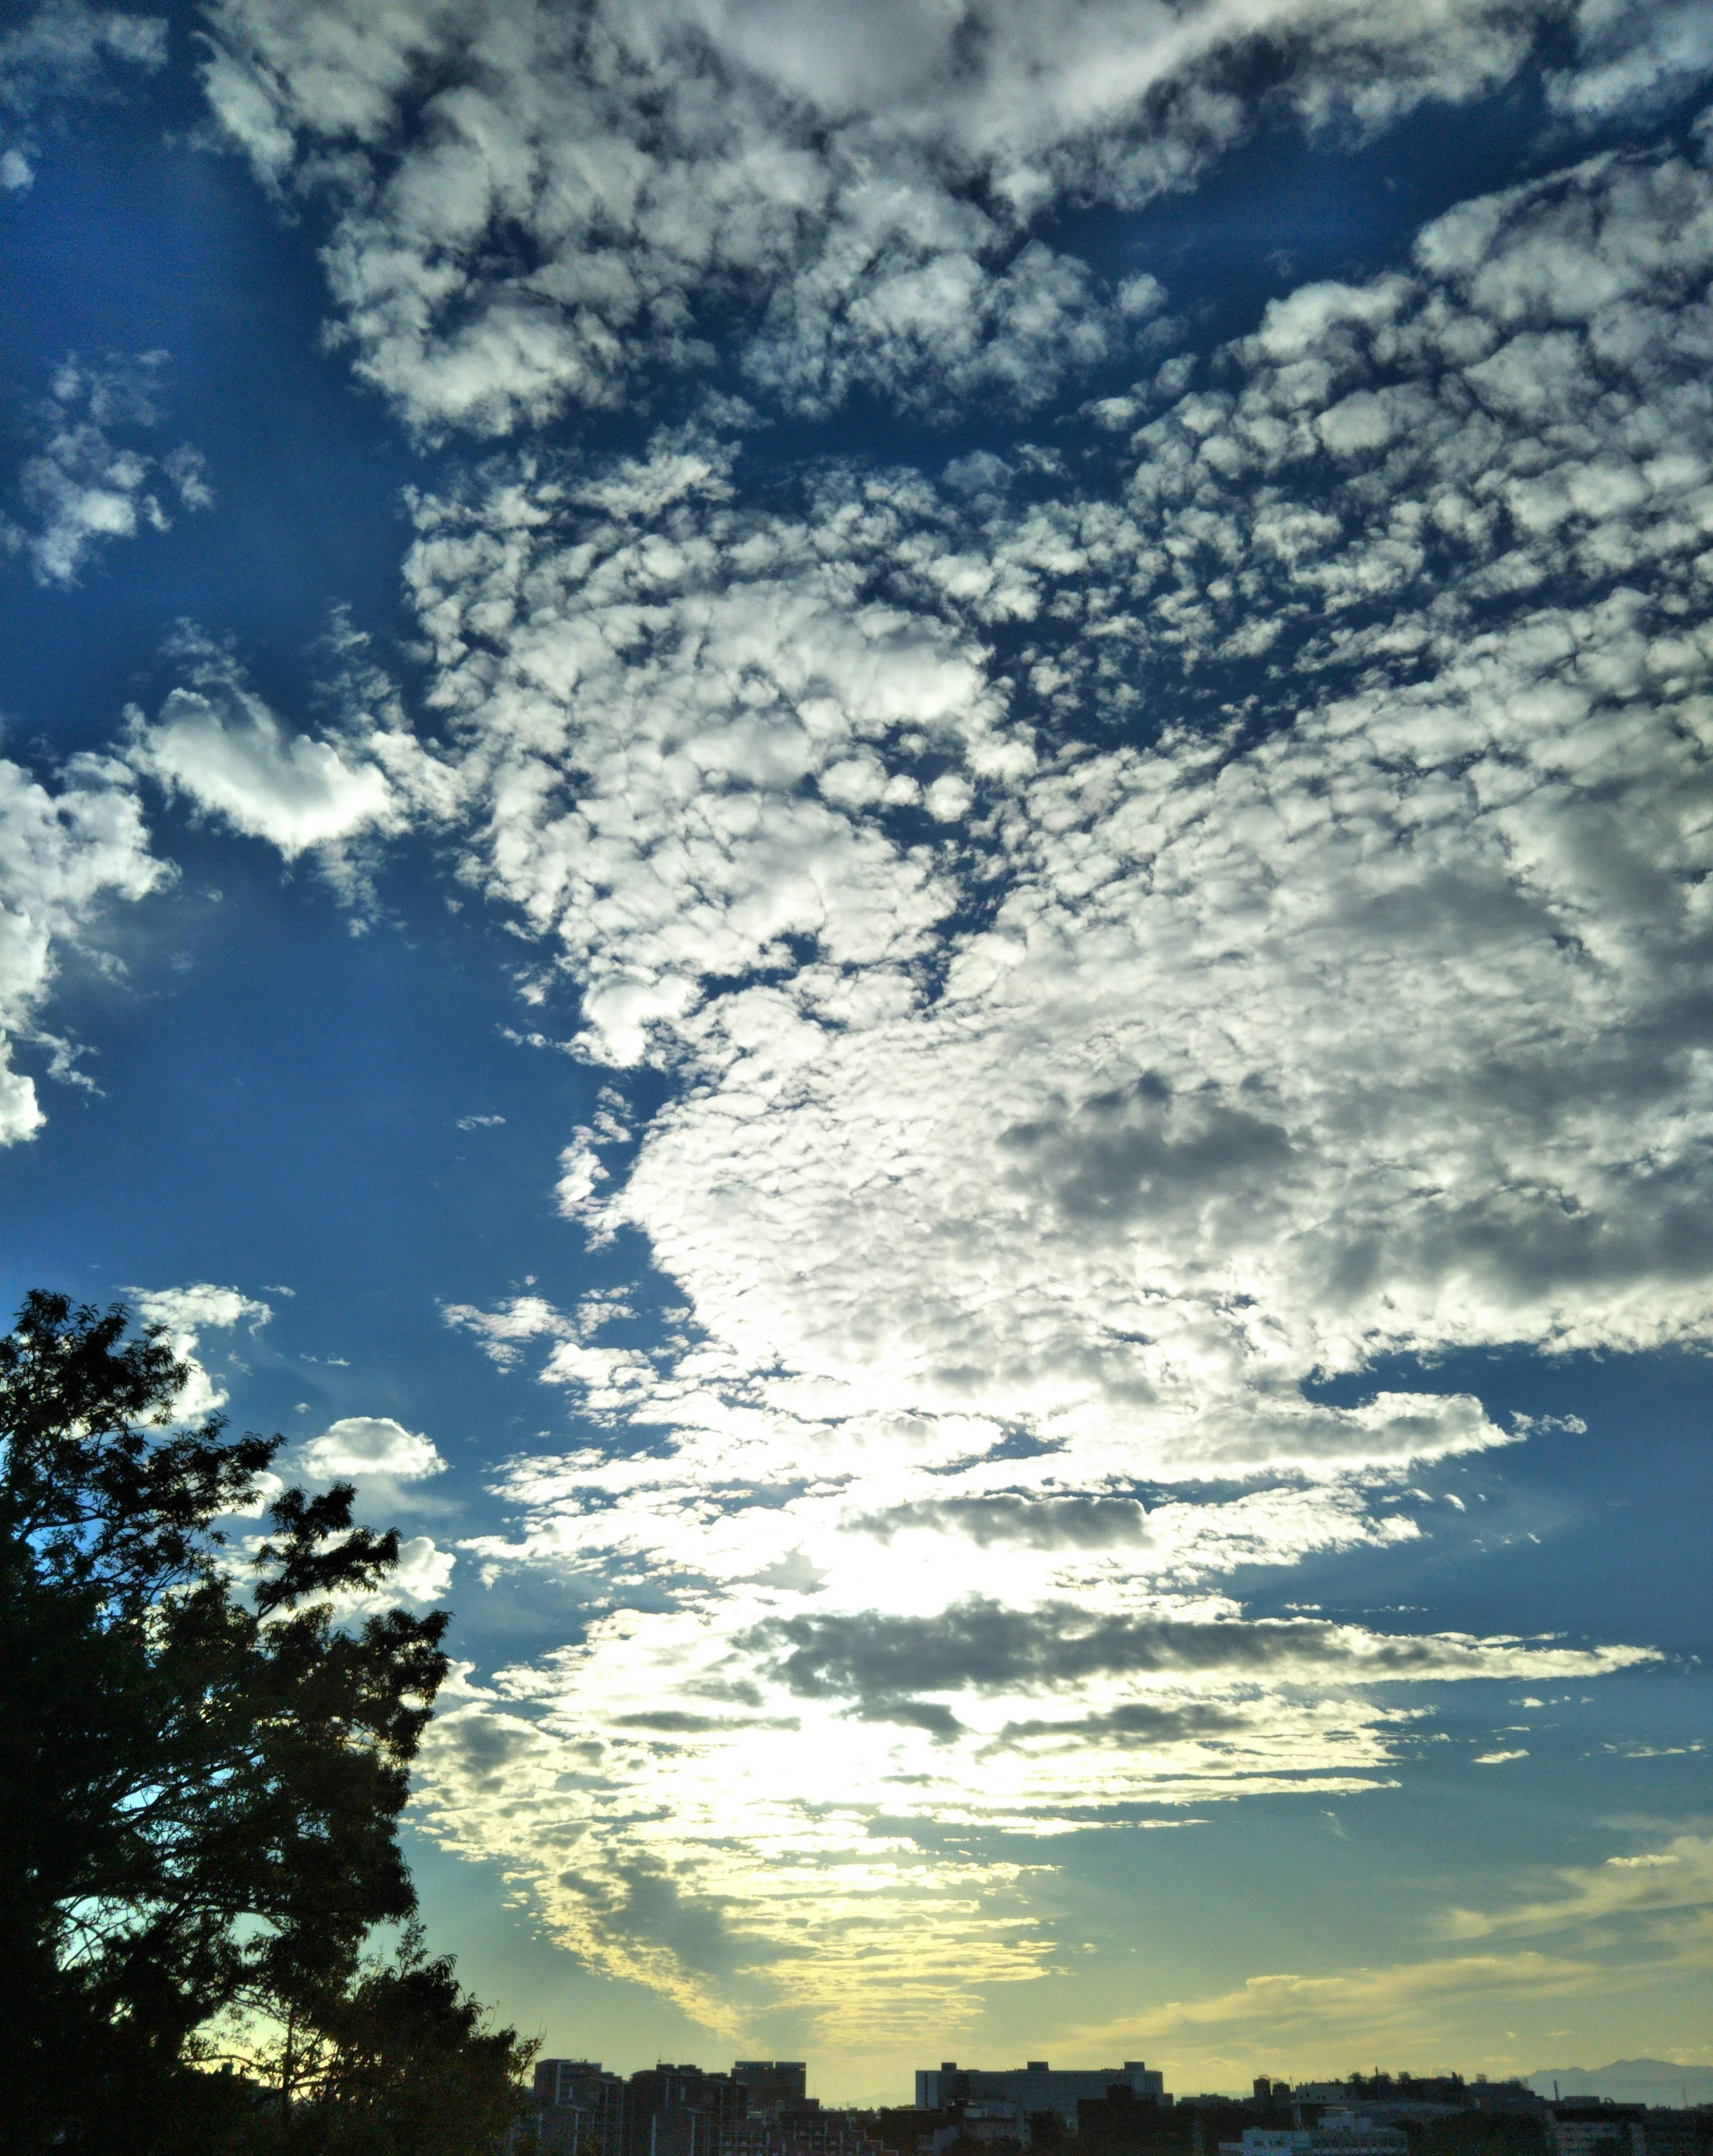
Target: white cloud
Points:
(187, 1313)
(90, 482)
(767, 1795)
(1675, 1883)
(233, 759)
(421, 1576)
(1633, 58)
(218, 744)
(425, 1572)
(502, 1331)
(267, 1486)
(65, 856)
(532, 203)
(1062, 1088)
(365, 1447)
(1188, 1214)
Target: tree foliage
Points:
(397, 2063)
(204, 1766)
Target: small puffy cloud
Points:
(1630, 60)
(425, 1572)
(187, 468)
(65, 44)
(187, 1313)
(218, 745)
(502, 1331)
(267, 1487)
(222, 747)
(366, 1447)
(422, 1577)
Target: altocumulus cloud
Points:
(530, 202)
(90, 479)
(1128, 934)
(1361, 1026)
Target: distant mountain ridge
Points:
(1629, 2080)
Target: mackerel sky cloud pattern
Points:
(1105, 895)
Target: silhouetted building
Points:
(1587, 2126)
(1407, 2099)
(1121, 2124)
(1514, 2097)
(681, 2110)
(664, 2110)
(1338, 2133)
(1034, 2088)
(902, 2128)
(1675, 2133)
(773, 2084)
(580, 2107)
(804, 2129)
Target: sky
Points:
(880, 839)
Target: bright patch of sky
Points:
(880, 841)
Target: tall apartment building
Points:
(580, 2107)
(664, 2110)
(681, 2110)
(773, 2084)
(1034, 2088)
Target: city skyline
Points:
(775, 2087)
(879, 840)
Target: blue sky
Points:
(881, 840)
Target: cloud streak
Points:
(883, 1662)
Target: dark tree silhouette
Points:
(203, 1767)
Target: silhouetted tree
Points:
(204, 1768)
(398, 2061)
